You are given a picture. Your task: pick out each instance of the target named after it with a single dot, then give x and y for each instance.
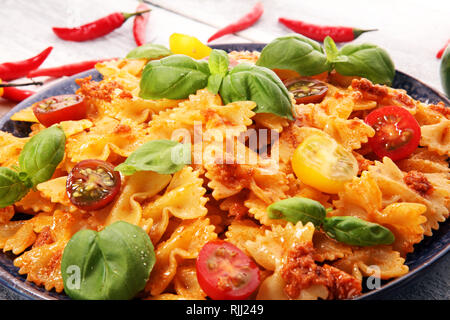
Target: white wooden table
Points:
(412, 32)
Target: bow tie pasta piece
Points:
(437, 137)
(10, 147)
(241, 231)
(405, 220)
(138, 188)
(390, 180)
(184, 244)
(359, 263)
(127, 72)
(183, 199)
(42, 263)
(55, 191)
(186, 283)
(328, 249)
(106, 137)
(425, 161)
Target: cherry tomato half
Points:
(224, 272)
(60, 108)
(307, 90)
(397, 133)
(320, 162)
(93, 184)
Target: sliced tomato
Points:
(307, 90)
(60, 108)
(93, 184)
(224, 272)
(320, 162)
(397, 133)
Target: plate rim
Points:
(26, 289)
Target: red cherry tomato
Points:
(224, 272)
(307, 90)
(397, 133)
(93, 184)
(60, 108)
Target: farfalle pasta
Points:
(236, 170)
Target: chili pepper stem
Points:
(35, 83)
(358, 32)
(129, 15)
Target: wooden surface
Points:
(412, 32)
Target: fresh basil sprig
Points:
(346, 229)
(298, 53)
(173, 77)
(37, 162)
(149, 51)
(258, 84)
(161, 156)
(178, 76)
(112, 264)
(294, 52)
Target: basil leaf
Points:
(332, 51)
(162, 156)
(12, 189)
(258, 84)
(218, 62)
(214, 82)
(297, 209)
(114, 263)
(368, 61)
(294, 52)
(42, 154)
(149, 51)
(355, 231)
(173, 77)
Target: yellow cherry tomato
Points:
(320, 162)
(187, 45)
(1, 89)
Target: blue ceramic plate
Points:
(425, 253)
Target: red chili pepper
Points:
(95, 29)
(19, 69)
(15, 94)
(319, 32)
(140, 24)
(65, 70)
(243, 23)
(441, 52)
